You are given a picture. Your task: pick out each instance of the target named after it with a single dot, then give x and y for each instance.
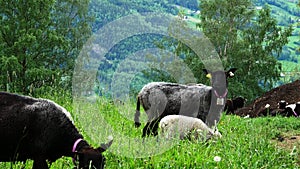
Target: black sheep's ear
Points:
(207, 73)
(104, 147)
(230, 72)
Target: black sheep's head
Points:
(219, 79)
(88, 157)
(282, 104)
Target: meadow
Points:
(260, 143)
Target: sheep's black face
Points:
(219, 80)
(282, 104)
(91, 159)
(239, 102)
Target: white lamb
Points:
(183, 127)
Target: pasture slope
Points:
(267, 142)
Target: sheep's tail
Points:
(137, 113)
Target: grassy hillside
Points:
(246, 143)
(287, 12)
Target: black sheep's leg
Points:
(40, 163)
(155, 127)
(146, 130)
(151, 128)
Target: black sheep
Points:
(233, 104)
(280, 110)
(284, 110)
(160, 99)
(294, 109)
(41, 130)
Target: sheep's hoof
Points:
(137, 124)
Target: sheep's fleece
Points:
(182, 127)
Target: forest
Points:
(40, 54)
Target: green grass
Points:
(246, 143)
(289, 66)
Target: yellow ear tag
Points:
(208, 75)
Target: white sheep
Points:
(182, 127)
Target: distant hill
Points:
(286, 13)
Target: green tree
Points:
(39, 40)
(222, 21)
(245, 38)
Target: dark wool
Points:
(31, 127)
(234, 104)
(171, 98)
(36, 129)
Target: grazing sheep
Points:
(160, 99)
(234, 104)
(41, 130)
(294, 109)
(284, 109)
(182, 127)
(280, 110)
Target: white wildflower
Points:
(247, 116)
(217, 158)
